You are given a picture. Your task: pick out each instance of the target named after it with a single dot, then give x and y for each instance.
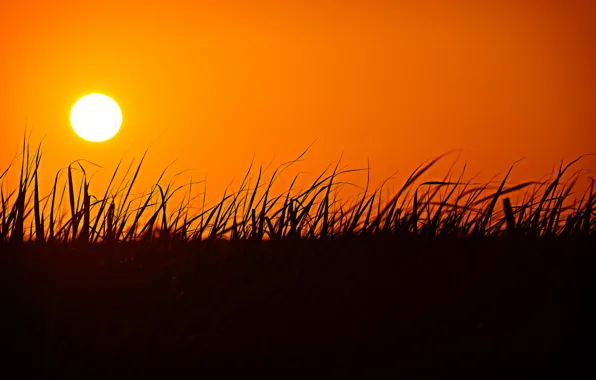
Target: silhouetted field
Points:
(382, 302)
(444, 274)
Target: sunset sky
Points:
(213, 83)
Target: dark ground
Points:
(366, 304)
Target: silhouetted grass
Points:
(430, 208)
(443, 273)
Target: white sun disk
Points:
(96, 117)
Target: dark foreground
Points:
(381, 304)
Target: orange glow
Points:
(212, 83)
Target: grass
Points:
(447, 207)
(488, 275)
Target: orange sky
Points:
(212, 83)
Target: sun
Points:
(96, 117)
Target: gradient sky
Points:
(212, 83)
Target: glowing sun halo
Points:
(96, 117)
